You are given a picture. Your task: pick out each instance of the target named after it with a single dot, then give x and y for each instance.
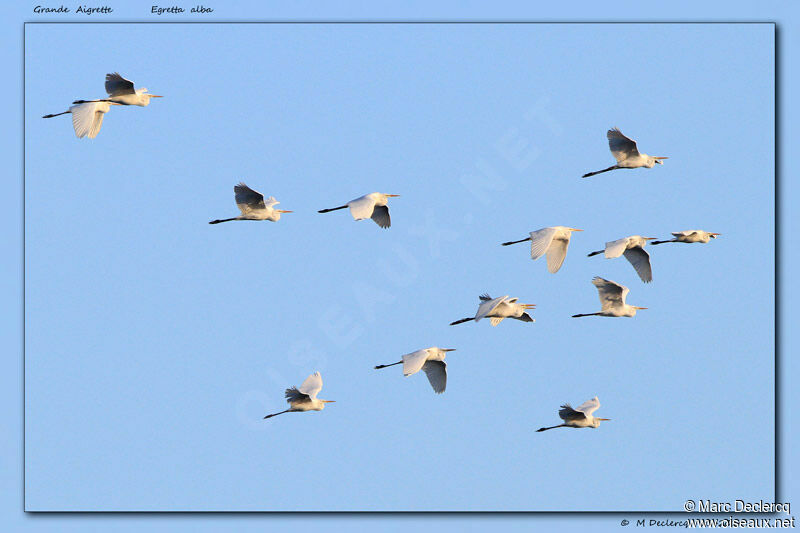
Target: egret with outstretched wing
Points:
(579, 417)
(431, 361)
(121, 91)
(253, 207)
(627, 155)
(552, 241)
(633, 249)
(612, 299)
(372, 205)
(690, 236)
(497, 309)
(304, 397)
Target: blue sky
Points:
(156, 342)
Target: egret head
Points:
(596, 421)
(276, 214)
(146, 97)
(658, 161)
(324, 402)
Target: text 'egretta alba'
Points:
(552, 241)
(87, 118)
(304, 397)
(633, 248)
(372, 205)
(120, 91)
(251, 204)
(497, 309)
(431, 360)
(612, 299)
(625, 152)
(581, 417)
(690, 236)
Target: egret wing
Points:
(611, 294)
(247, 199)
(567, 413)
(437, 375)
(87, 119)
(312, 385)
(640, 259)
(556, 253)
(540, 241)
(488, 306)
(294, 395)
(496, 320)
(116, 85)
(412, 362)
(588, 407)
(621, 147)
(380, 214)
(616, 248)
(271, 202)
(362, 208)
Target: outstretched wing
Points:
(380, 214)
(557, 252)
(362, 208)
(588, 407)
(87, 119)
(540, 242)
(247, 199)
(616, 248)
(312, 385)
(294, 395)
(640, 259)
(116, 85)
(488, 306)
(437, 375)
(621, 147)
(568, 414)
(611, 294)
(412, 362)
(271, 202)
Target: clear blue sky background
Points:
(157, 342)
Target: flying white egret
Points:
(87, 118)
(627, 155)
(690, 236)
(372, 205)
(581, 417)
(121, 91)
(251, 204)
(552, 241)
(496, 309)
(633, 249)
(612, 299)
(431, 360)
(304, 397)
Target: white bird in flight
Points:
(304, 397)
(497, 309)
(552, 241)
(253, 207)
(633, 249)
(690, 236)
(627, 155)
(87, 118)
(580, 417)
(612, 299)
(372, 205)
(431, 360)
(121, 91)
